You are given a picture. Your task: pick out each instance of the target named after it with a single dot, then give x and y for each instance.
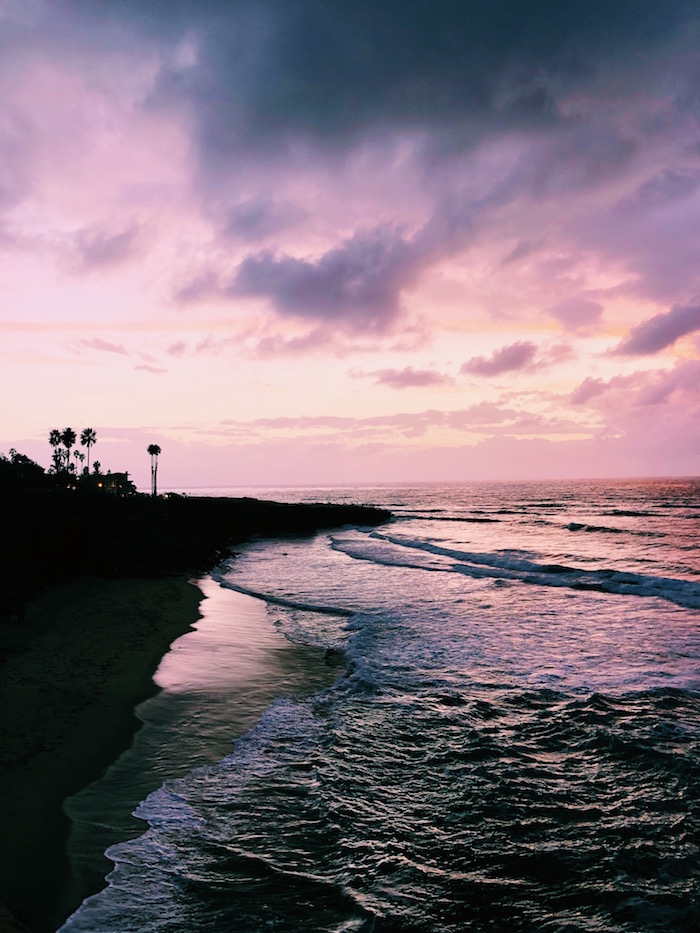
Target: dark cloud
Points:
(357, 284)
(273, 85)
(264, 83)
(408, 378)
(268, 73)
(17, 153)
(653, 237)
(354, 286)
(516, 356)
(576, 313)
(259, 218)
(661, 331)
(663, 189)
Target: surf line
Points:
(281, 601)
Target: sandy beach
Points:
(71, 675)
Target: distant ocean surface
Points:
(495, 725)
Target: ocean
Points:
(483, 715)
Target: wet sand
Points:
(71, 675)
(216, 682)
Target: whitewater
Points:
(482, 715)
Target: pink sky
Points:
(303, 244)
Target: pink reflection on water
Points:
(235, 649)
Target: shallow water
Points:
(216, 682)
(513, 742)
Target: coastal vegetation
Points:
(88, 437)
(115, 531)
(154, 451)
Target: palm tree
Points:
(68, 438)
(88, 437)
(154, 450)
(56, 440)
(79, 456)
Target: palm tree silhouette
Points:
(56, 440)
(154, 450)
(68, 438)
(88, 437)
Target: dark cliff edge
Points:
(47, 538)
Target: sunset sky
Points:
(314, 241)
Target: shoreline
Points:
(217, 682)
(74, 672)
(93, 591)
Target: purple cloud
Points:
(203, 284)
(588, 389)
(576, 313)
(683, 379)
(642, 389)
(522, 250)
(259, 218)
(409, 377)
(664, 188)
(456, 69)
(17, 145)
(96, 343)
(485, 418)
(98, 248)
(516, 356)
(357, 284)
(661, 331)
(276, 345)
(147, 368)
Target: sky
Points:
(311, 242)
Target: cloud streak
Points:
(408, 378)
(513, 358)
(661, 331)
(104, 346)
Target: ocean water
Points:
(495, 725)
